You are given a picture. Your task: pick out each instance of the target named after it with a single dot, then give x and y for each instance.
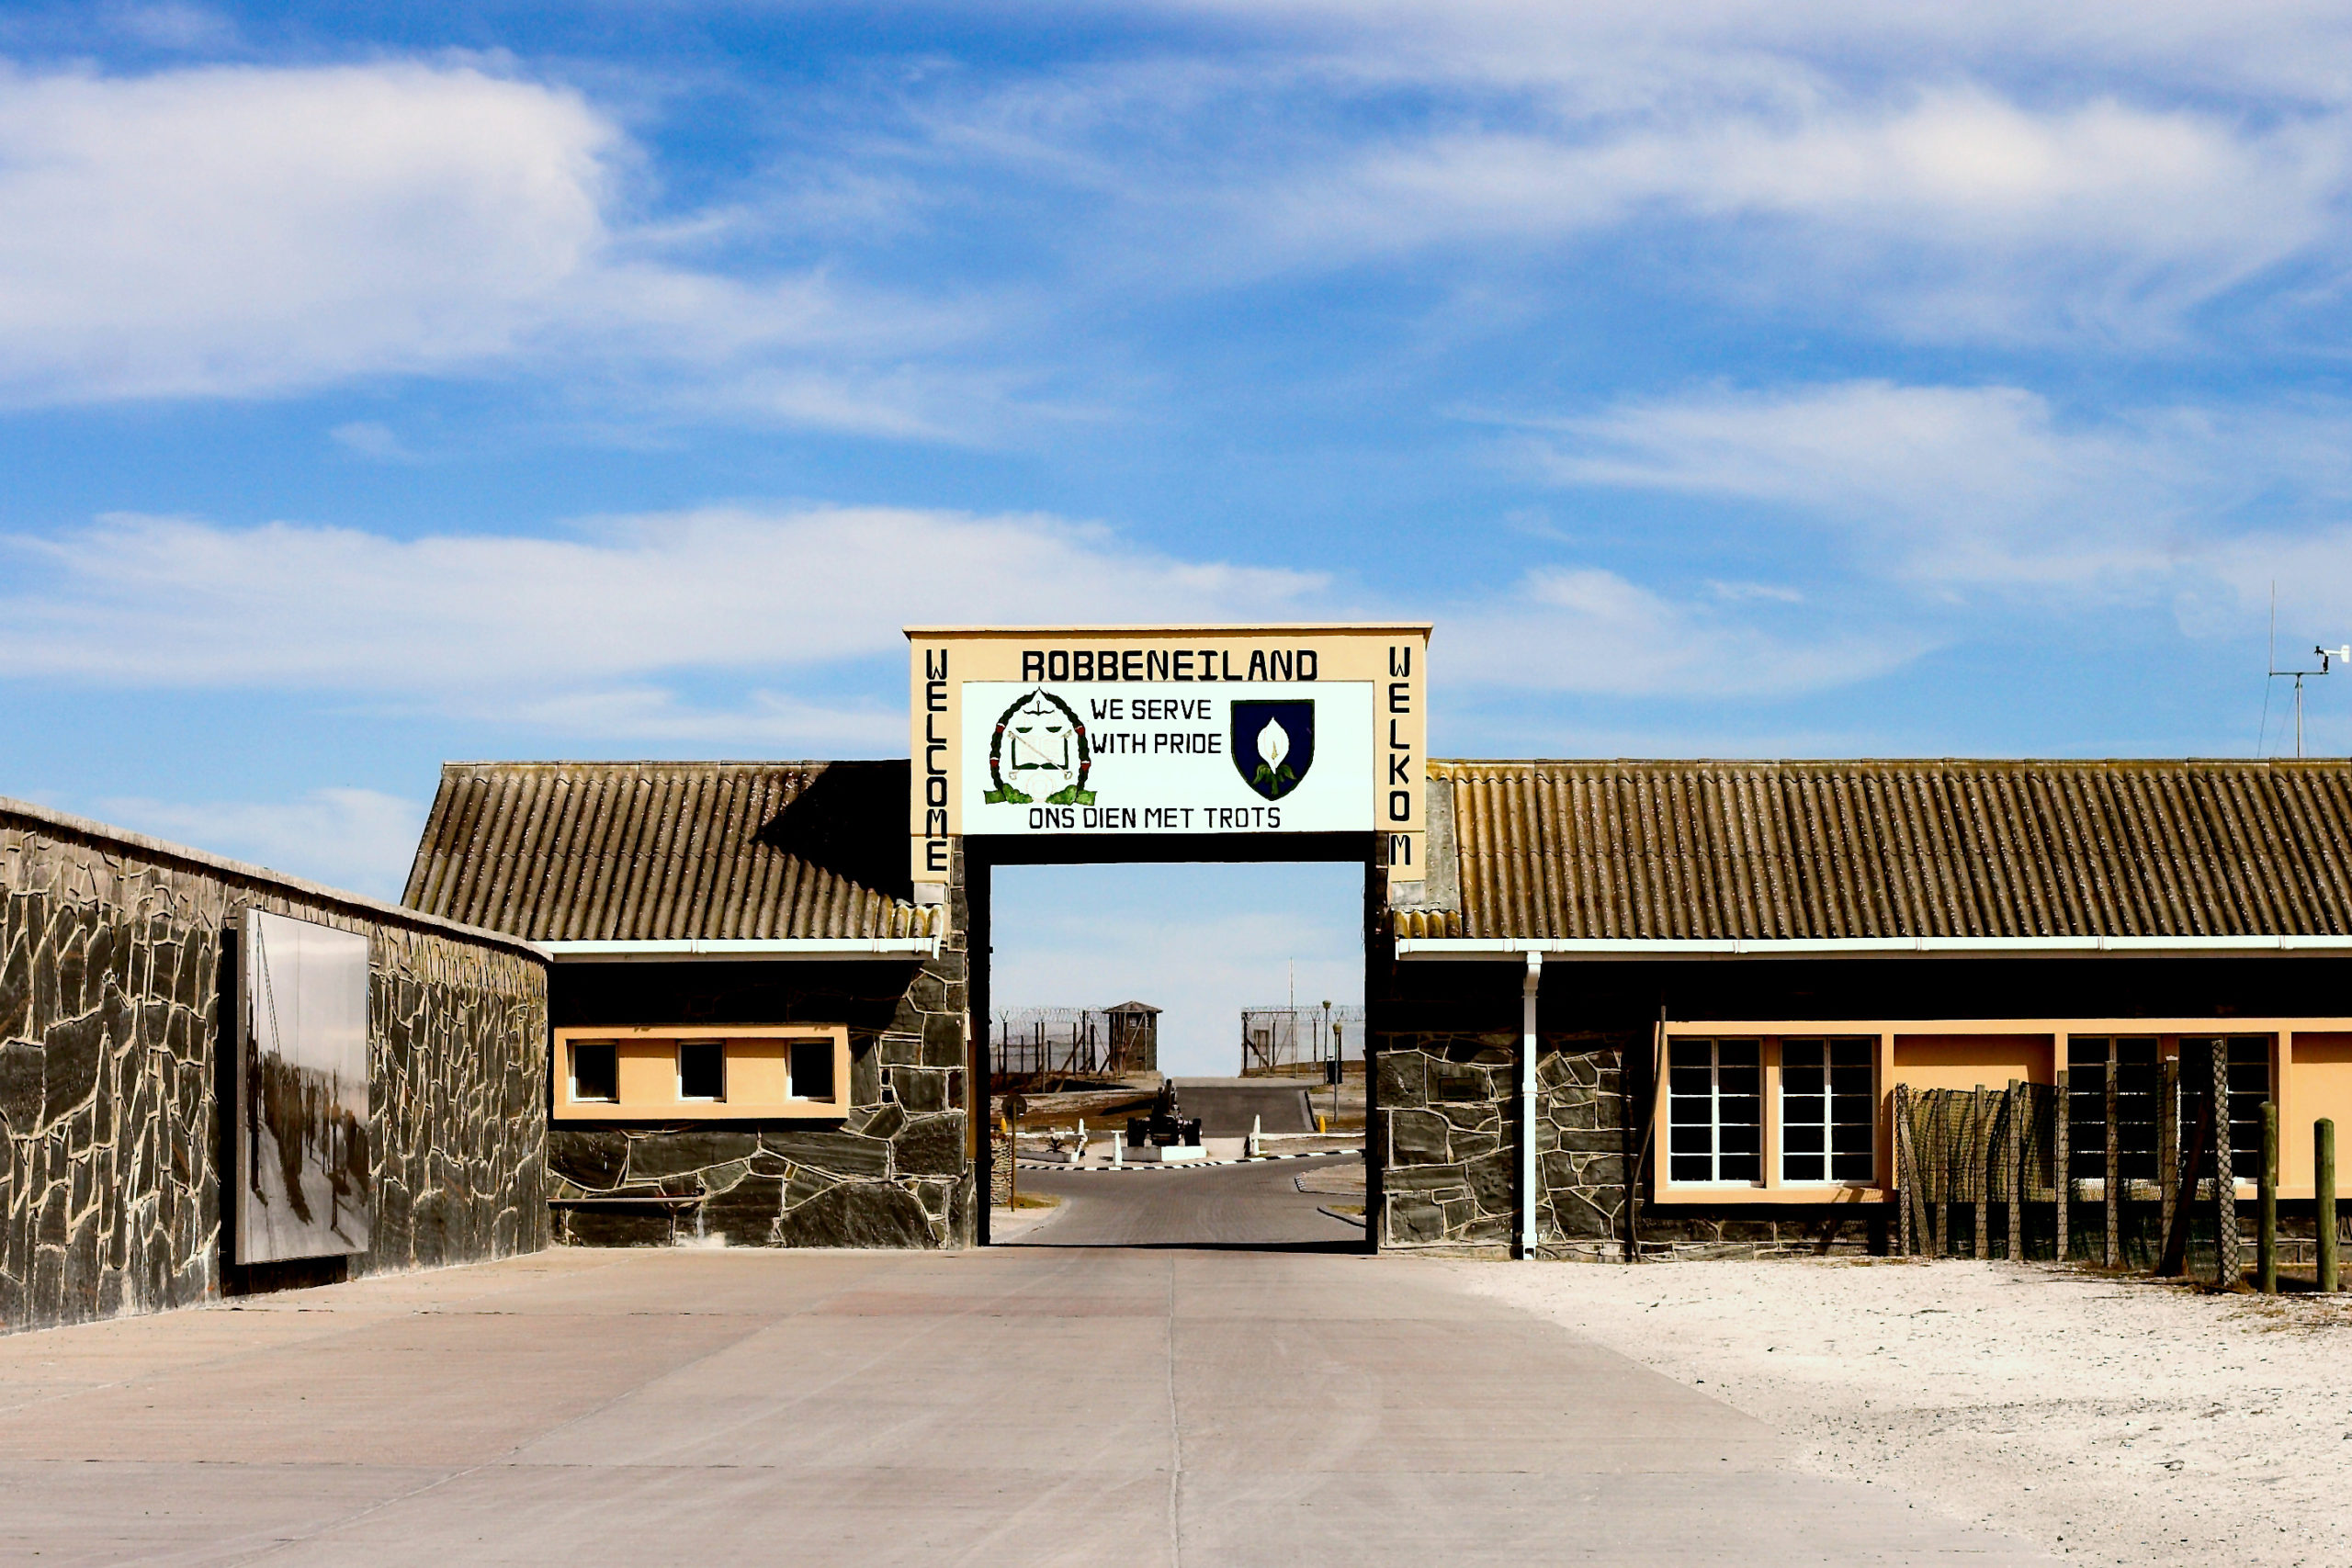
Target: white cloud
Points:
(572, 624)
(2003, 220)
(1955, 487)
(250, 231)
(606, 631)
(371, 438)
(173, 24)
(359, 839)
(240, 230)
(2092, 174)
(1593, 632)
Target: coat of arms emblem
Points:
(1273, 744)
(1039, 753)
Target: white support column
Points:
(1527, 1166)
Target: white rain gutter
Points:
(1488, 948)
(1527, 1043)
(769, 950)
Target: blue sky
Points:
(380, 385)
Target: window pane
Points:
(1741, 1140)
(1801, 1167)
(2087, 1109)
(1802, 1080)
(1691, 1053)
(1853, 1052)
(1693, 1083)
(812, 1069)
(1699, 1140)
(1691, 1167)
(1741, 1080)
(596, 1071)
(1851, 1167)
(1741, 1053)
(1803, 1140)
(1743, 1168)
(702, 1069)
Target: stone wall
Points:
(894, 1172)
(1449, 1135)
(1441, 1145)
(115, 991)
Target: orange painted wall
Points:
(2319, 1083)
(1964, 1061)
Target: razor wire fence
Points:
(1032, 1041)
(1296, 1041)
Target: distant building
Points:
(1134, 1037)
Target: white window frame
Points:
(1778, 1057)
(1716, 1045)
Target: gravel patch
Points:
(2107, 1420)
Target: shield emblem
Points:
(1274, 745)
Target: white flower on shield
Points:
(1274, 744)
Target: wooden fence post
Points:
(2013, 1162)
(2324, 1189)
(1980, 1152)
(2229, 1264)
(1907, 1187)
(2115, 1174)
(2174, 1257)
(2168, 1140)
(2062, 1157)
(2266, 1235)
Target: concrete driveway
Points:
(1098, 1406)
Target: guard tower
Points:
(1134, 1037)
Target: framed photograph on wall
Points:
(304, 1187)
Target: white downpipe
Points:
(1527, 1041)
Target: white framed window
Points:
(1828, 1110)
(1715, 1112)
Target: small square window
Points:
(596, 1071)
(702, 1069)
(812, 1069)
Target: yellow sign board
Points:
(1115, 731)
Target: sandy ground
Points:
(2108, 1421)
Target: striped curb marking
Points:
(1186, 1164)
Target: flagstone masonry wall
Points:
(894, 1172)
(115, 990)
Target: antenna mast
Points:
(2326, 657)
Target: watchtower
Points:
(1134, 1037)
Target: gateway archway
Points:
(1093, 745)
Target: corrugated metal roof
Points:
(1897, 849)
(639, 851)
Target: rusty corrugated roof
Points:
(636, 851)
(1896, 849)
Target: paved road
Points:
(1226, 1105)
(1253, 1206)
(1023, 1405)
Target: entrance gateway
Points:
(1068, 744)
